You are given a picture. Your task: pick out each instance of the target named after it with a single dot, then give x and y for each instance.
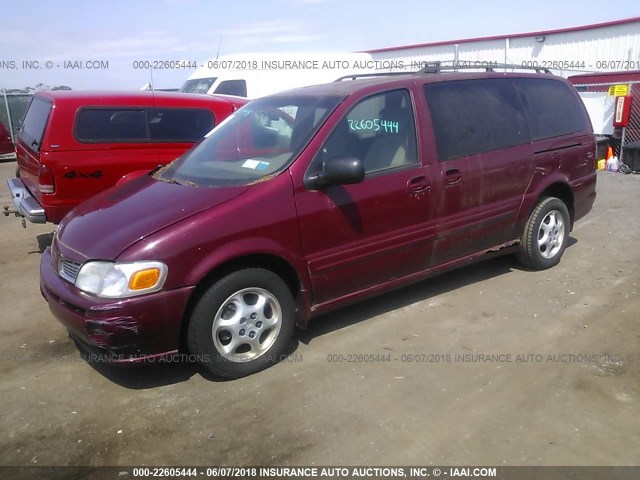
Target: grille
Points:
(68, 269)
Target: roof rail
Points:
(372, 75)
(451, 66)
(456, 65)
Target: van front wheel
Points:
(242, 323)
(545, 234)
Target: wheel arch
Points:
(555, 187)
(563, 191)
(268, 261)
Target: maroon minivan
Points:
(311, 199)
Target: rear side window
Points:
(111, 124)
(34, 122)
(552, 108)
(143, 125)
(475, 116)
(232, 87)
(179, 124)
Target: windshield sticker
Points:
(375, 125)
(262, 165)
(252, 164)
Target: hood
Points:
(107, 224)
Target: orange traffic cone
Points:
(609, 153)
(609, 156)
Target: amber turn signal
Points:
(144, 279)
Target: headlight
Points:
(121, 280)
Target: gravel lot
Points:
(565, 389)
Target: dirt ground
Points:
(563, 386)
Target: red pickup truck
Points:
(75, 144)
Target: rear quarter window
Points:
(34, 122)
(111, 125)
(101, 125)
(475, 116)
(551, 106)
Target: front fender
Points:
(255, 251)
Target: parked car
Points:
(315, 198)
(75, 144)
(7, 149)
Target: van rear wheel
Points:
(242, 323)
(545, 235)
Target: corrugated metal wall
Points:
(609, 48)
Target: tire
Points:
(242, 323)
(545, 235)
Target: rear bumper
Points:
(24, 203)
(127, 330)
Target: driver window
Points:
(272, 129)
(379, 130)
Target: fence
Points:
(12, 109)
(625, 135)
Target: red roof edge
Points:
(500, 37)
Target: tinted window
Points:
(178, 124)
(379, 130)
(232, 87)
(198, 85)
(35, 121)
(475, 116)
(552, 108)
(111, 124)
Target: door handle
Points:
(418, 185)
(453, 176)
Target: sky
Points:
(124, 33)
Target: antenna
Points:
(151, 77)
(219, 44)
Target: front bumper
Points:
(24, 203)
(127, 330)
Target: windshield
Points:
(198, 85)
(256, 142)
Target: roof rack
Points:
(372, 75)
(455, 65)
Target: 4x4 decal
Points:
(72, 175)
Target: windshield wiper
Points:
(156, 170)
(188, 183)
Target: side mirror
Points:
(339, 171)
